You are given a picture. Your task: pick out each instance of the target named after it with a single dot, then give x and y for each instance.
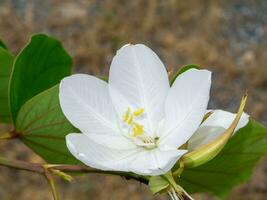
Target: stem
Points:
(53, 189)
(180, 170)
(39, 168)
(22, 165)
(6, 135)
(84, 169)
(181, 193)
(51, 183)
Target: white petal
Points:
(138, 79)
(214, 126)
(98, 153)
(155, 162)
(100, 156)
(203, 135)
(86, 103)
(185, 107)
(113, 141)
(224, 119)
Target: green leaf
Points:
(182, 70)
(39, 66)
(6, 63)
(2, 44)
(42, 126)
(158, 184)
(232, 166)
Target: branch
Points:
(22, 165)
(8, 135)
(84, 169)
(78, 169)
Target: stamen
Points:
(127, 115)
(138, 129)
(138, 112)
(130, 120)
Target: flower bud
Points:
(208, 151)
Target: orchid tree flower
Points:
(136, 122)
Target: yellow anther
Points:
(127, 115)
(138, 112)
(130, 120)
(138, 129)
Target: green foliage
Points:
(6, 63)
(39, 66)
(158, 184)
(42, 126)
(232, 166)
(2, 44)
(182, 70)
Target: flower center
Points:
(135, 129)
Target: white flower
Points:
(135, 122)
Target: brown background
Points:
(227, 37)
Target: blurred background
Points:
(226, 37)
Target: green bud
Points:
(208, 151)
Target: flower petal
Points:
(113, 141)
(98, 153)
(138, 79)
(86, 103)
(214, 126)
(155, 162)
(185, 107)
(224, 119)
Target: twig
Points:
(51, 182)
(8, 135)
(22, 165)
(60, 170)
(39, 168)
(53, 188)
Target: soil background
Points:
(227, 37)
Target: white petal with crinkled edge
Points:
(86, 103)
(133, 159)
(224, 119)
(100, 156)
(214, 126)
(155, 162)
(185, 107)
(138, 79)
